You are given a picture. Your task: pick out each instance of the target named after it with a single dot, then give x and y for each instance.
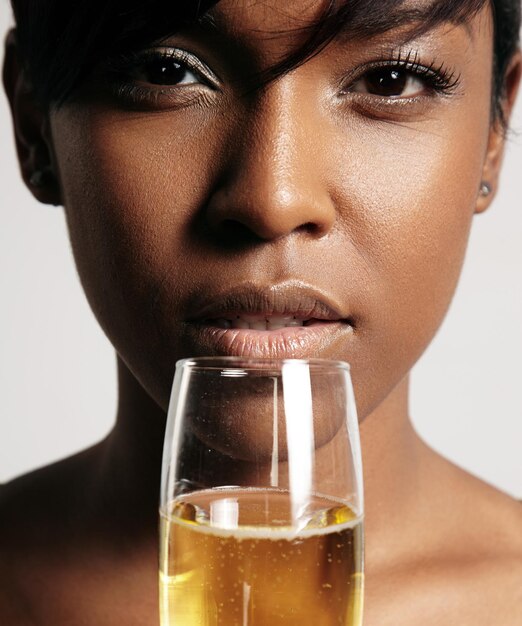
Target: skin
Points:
(370, 203)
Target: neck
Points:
(130, 460)
(395, 470)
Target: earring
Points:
(37, 178)
(41, 177)
(485, 189)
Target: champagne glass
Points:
(261, 499)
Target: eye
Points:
(164, 69)
(159, 78)
(160, 67)
(389, 82)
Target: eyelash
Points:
(124, 88)
(438, 78)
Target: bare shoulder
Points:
(34, 512)
(39, 510)
(484, 557)
(61, 563)
(497, 541)
(473, 584)
(42, 497)
(492, 519)
(462, 565)
(478, 518)
(15, 605)
(473, 592)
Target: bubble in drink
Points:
(232, 557)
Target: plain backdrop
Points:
(57, 369)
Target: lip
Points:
(327, 322)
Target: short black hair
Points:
(61, 41)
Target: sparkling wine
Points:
(232, 557)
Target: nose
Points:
(273, 184)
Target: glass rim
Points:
(212, 363)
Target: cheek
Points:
(131, 193)
(128, 179)
(408, 222)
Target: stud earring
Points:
(41, 177)
(485, 189)
(37, 178)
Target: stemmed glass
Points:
(261, 498)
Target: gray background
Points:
(57, 370)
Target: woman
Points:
(237, 167)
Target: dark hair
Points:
(61, 41)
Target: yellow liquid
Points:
(230, 558)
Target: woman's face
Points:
(338, 199)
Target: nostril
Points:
(234, 232)
(311, 228)
(233, 226)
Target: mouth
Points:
(281, 321)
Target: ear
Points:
(32, 131)
(497, 135)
